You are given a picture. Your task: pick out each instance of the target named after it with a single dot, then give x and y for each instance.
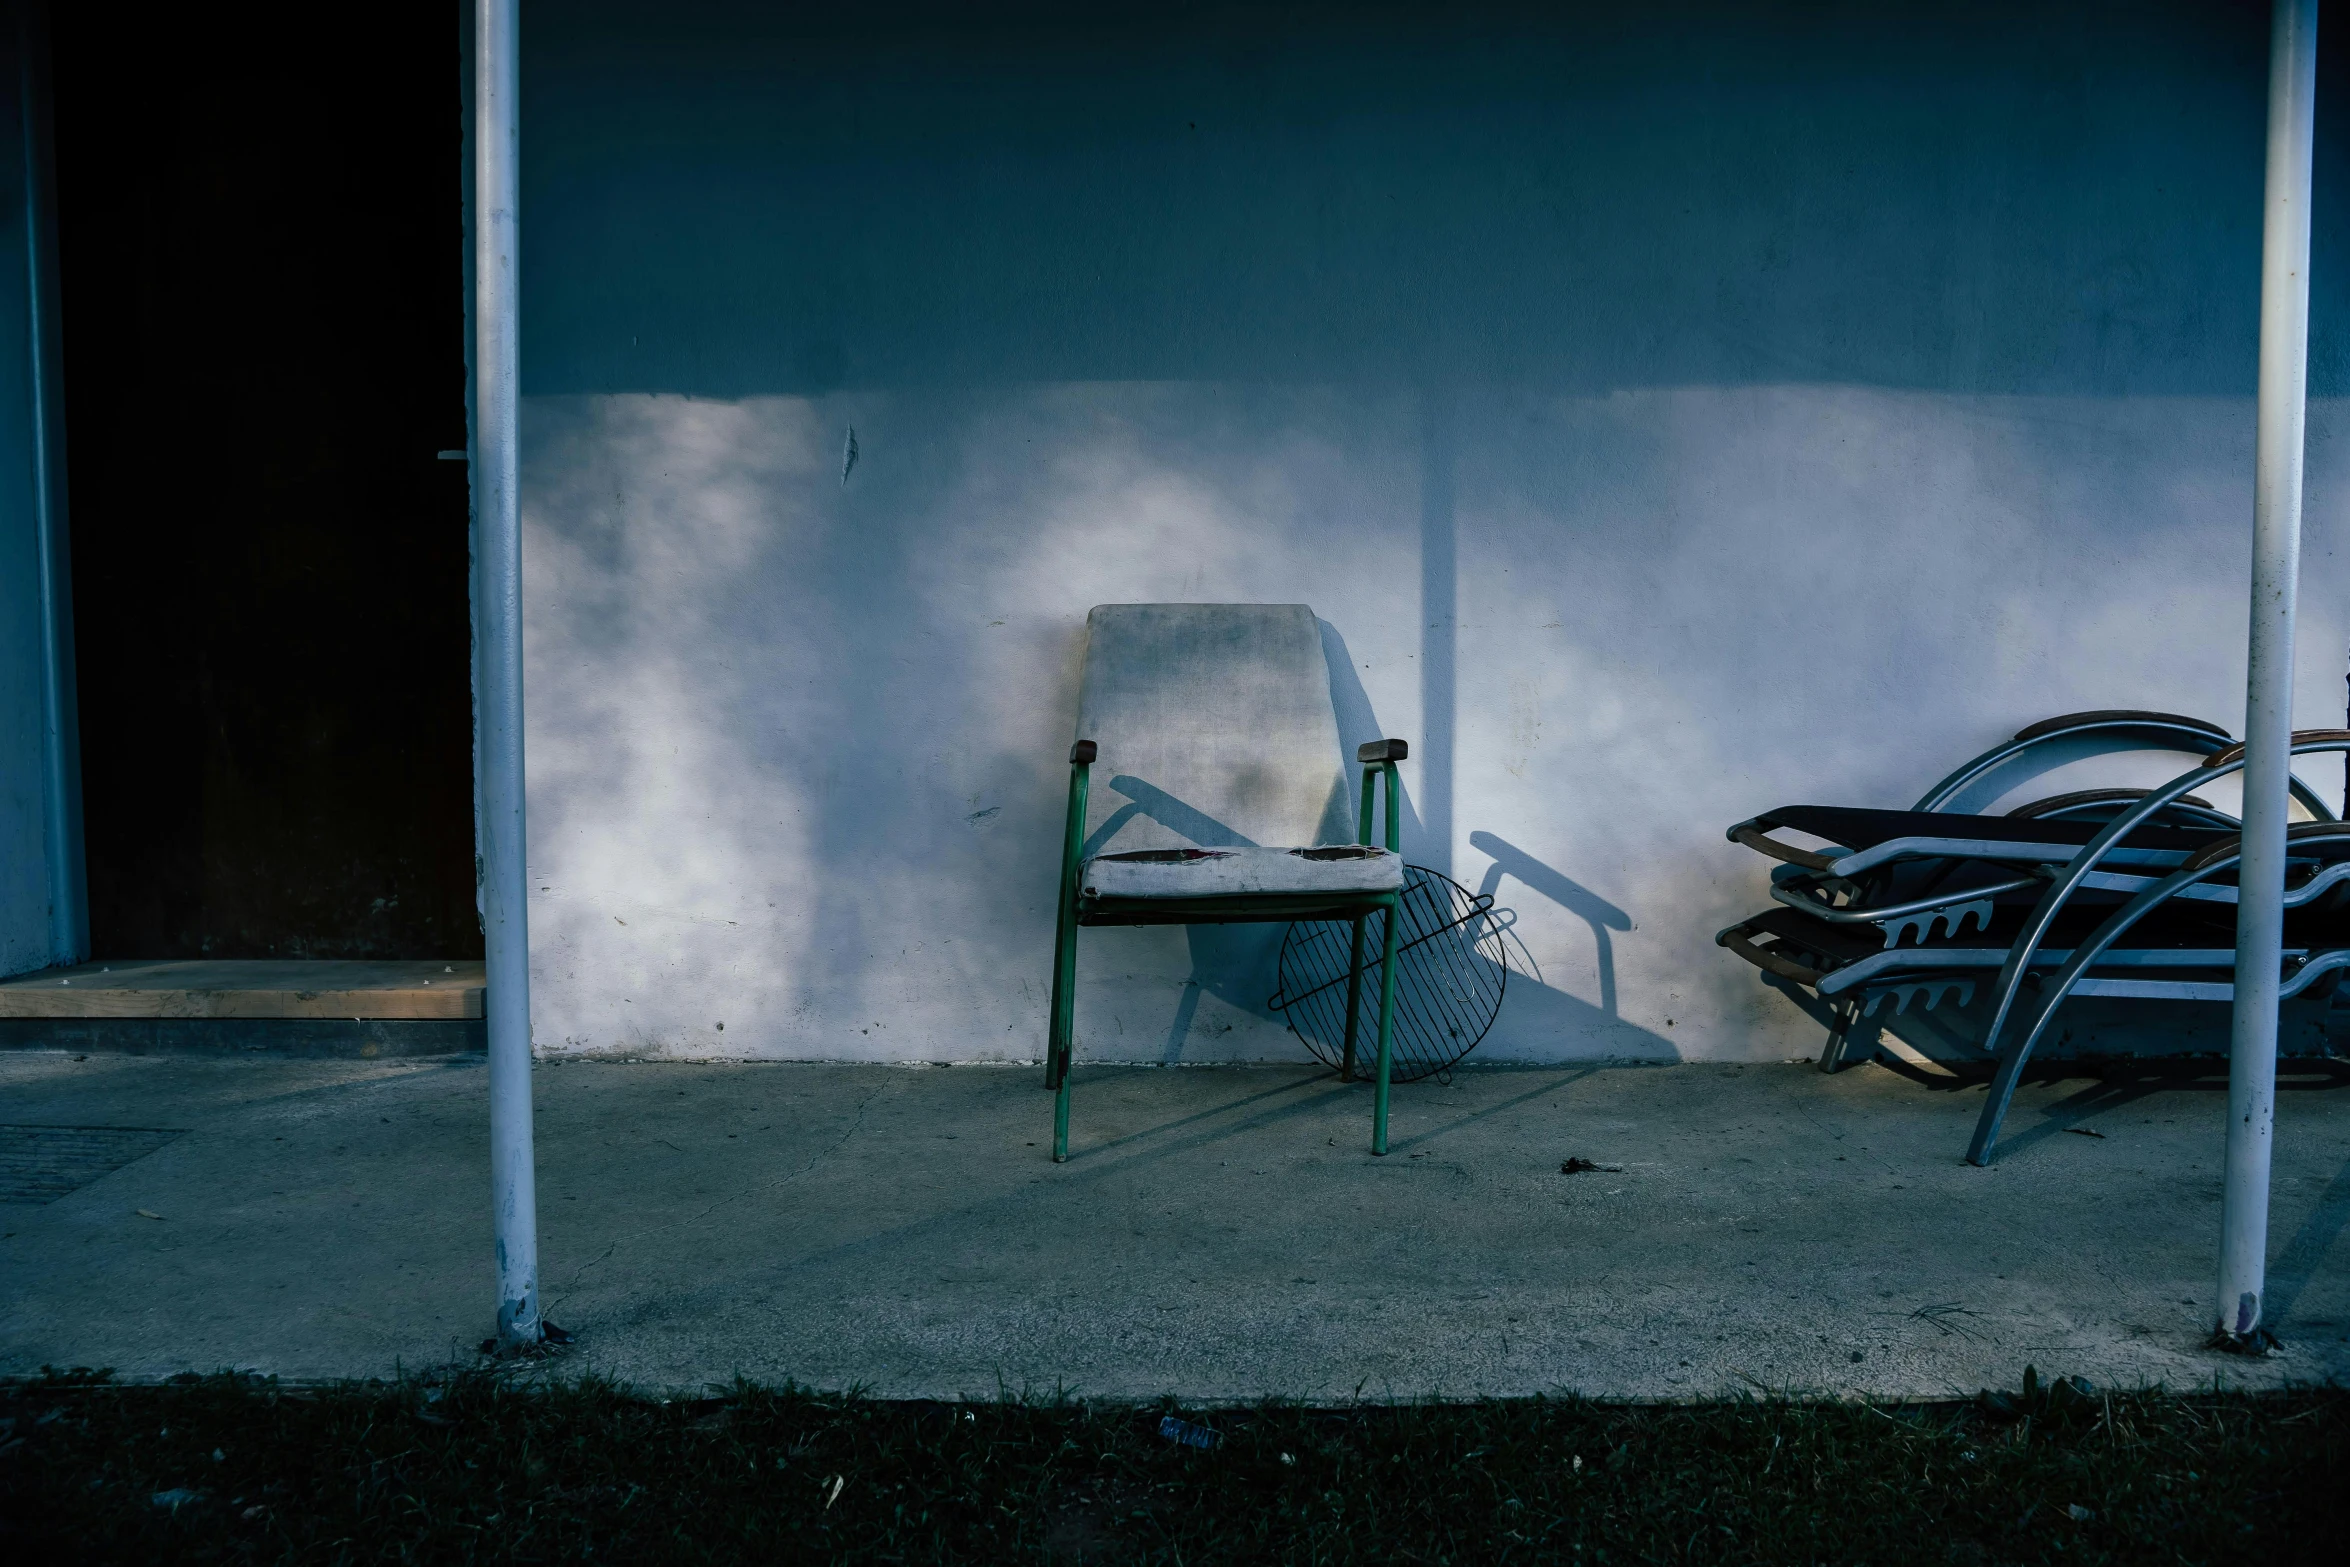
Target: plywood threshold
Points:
(256, 988)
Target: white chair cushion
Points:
(1236, 872)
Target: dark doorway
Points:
(261, 233)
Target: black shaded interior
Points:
(261, 231)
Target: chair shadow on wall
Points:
(1554, 1010)
(1239, 965)
(1153, 803)
(1531, 1007)
(1593, 910)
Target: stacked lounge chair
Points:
(2106, 892)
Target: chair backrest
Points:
(1215, 725)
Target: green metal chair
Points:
(1215, 728)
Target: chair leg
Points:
(1061, 1120)
(1060, 1045)
(1052, 1026)
(2003, 1085)
(1832, 1054)
(1354, 1005)
(1386, 1027)
(2011, 1071)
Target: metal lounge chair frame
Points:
(1818, 880)
(1938, 967)
(1077, 909)
(2099, 864)
(1979, 862)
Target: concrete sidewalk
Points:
(1220, 1234)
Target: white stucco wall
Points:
(797, 742)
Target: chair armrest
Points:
(2325, 737)
(1379, 758)
(1738, 938)
(1763, 843)
(2106, 718)
(1084, 753)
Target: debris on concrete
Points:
(1942, 1317)
(2066, 1398)
(1187, 1434)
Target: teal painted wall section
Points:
(41, 916)
(1670, 411)
(732, 200)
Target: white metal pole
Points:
(2268, 716)
(497, 671)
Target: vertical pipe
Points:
(1061, 1037)
(2268, 716)
(1391, 925)
(1439, 627)
(503, 867)
(61, 751)
(1061, 1016)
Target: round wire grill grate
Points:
(1450, 970)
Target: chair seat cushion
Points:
(1240, 872)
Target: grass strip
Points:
(479, 1467)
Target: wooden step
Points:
(255, 988)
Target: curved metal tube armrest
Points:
(2325, 739)
(1762, 843)
(2108, 717)
(2299, 832)
(2310, 739)
(2187, 734)
(1770, 962)
(2059, 806)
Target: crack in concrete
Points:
(856, 1122)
